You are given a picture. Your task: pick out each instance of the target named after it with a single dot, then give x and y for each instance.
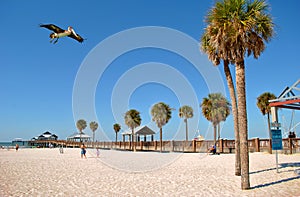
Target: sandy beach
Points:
(46, 172)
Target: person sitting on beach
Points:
(83, 150)
(212, 149)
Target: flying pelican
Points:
(58, 33)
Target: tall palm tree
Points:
(215, 57)
(133, 120)
(81, 125)
(237, 27)
(93, 127)
(263, 105)
(215, 108)
(117, 128)
(186, 112)
(161, 114)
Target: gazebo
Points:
(138, 132)
(77, 137)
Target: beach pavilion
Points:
(138, 132)
(77, 137)
(42, 140)
(46, 136)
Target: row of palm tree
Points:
(215, 108)
(236, 28)
(81, 125)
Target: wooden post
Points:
(194, 145)
(221, 144)
(257, 145)
(141, 144)
(155, 145)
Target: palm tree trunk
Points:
(116, 137)
(133, 146)
(93, 138)
(80, 135)
(219, 131)
(160, 138)
(269, 126)
(186, 130)
(235, 117)
(215, 133)
(269, 129)
(219, 134)
(243, 128)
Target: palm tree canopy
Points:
(236, 27)
(263, 102)
(215, 108)
(117, 127)
(132, 118)
(81, 125)
(93, 126)
(186, 112)
(161, 114)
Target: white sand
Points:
(46, 172)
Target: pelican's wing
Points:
(78, 37)
(53, 28)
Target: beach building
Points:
(77, 137)
(138, 132)
(47, 136)
(41, 140)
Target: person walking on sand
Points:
(17, 147)
(83, 150)
(97, 152)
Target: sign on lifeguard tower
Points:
(276, 139)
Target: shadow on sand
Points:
(275, 182)
(281, 166)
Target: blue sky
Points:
(38, 79)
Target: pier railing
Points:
(290, 145)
